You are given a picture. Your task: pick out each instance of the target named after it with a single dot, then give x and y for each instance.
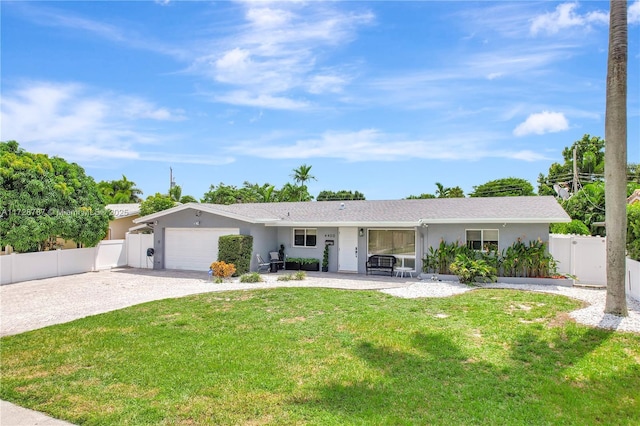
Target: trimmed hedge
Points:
(236, 249)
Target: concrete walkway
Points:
(35, 304)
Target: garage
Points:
(193, 248)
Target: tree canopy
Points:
(43, 199)
(340, 195)
(121, 191)
(507, 187)
(156, 203)
(589, 165)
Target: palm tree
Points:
(301, 175)
(120, 191)
(615, 159)
(441, 191)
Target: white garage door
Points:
(193, 248)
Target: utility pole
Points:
(172, 183)
(575, 170)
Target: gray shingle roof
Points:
(124, 210)
(536, 209)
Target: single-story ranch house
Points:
(186, 236)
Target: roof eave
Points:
(196, 206)
(495, 220)
(369, 224)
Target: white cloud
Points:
(541, 123)
(277, 51)
(564, 17)
(374, 145)
(75, 122)
(326, 83)
(267, 17)
(261, 100)
(633, 16)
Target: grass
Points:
(329, 357)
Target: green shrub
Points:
(251, 277)
(469, 270)
(236, 249)
(298, 276)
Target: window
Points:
(304, 237)
(398, 242)
(482, 239)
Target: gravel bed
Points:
(591, 315)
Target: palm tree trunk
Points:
(616, 159)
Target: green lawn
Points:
(329, 357)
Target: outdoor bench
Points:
(381, 262)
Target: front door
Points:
(348, 249)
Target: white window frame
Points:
(482, 238)
(293, 237)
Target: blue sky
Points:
(382, 97)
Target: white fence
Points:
(137, 245)
(586, 258)
(582, 256)
(633, 279)
(15, 268)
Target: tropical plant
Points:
(439, 260)
(122, 191)
(518, 260)
(470, 270)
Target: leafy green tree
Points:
(291, 192)
(120, 191)
(188, 199)
(633, 172)
(444, 192)
(229, 194)
(420, 197)
(587, 206)
(589, 161)
(340, 195)
(456, 192)
(575, 227)
(42, 199)
(156, 203)
(507, 187)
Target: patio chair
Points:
(276, 262)
(262, 263)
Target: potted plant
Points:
(325, 259)
(309, 264)
(293, 263)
